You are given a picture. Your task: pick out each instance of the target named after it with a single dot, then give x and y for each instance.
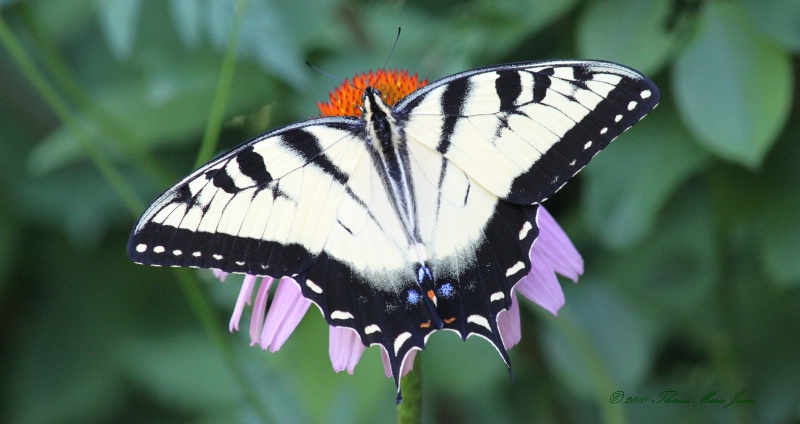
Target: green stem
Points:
(409, 411)
(211, 135)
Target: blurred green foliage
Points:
(688, 224)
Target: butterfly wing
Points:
(484, 147)
(523, 130)
(479, 246)
(302, 201)
(491, 143)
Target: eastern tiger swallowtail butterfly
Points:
(408, 219)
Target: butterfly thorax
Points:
(389, 152)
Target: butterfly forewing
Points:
(309, 201)
(522, 130)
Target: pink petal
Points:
(345, 348)
(508, 323)
(541, 285)
(408, 362)
(287, 309)
(222, 275)
(558, 250)
(259, 309)
(245, 296)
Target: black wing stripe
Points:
(528, 188)
(452, 107)
(541, 83)
(508, 87)
(252, 165)
(307, 145)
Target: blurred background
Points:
(688, 223)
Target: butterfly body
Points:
(410, 218)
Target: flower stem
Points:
(409, 411)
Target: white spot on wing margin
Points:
(341, 315)
(315, 288)
(482, 321)
(526, 227)
(400, 340)
(515, 268)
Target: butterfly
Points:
(410, 218)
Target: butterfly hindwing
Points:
(479, 246)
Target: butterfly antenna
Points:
(396, 39)
(335, 78)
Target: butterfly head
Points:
(378, 117)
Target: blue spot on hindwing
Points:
(446, 290)
(414, 297)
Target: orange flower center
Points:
(393, 85)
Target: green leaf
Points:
(60, 364)
(75, 202)
(503, 25)
(266, 38)
(168, 109)
(781, 243)
(118, 20)
(582, 348)
(778, 209)
(450, 357)
(263, 38)
(188, 374)
(766, 342)
(780, 19)
(733, 86)
(629, 183)
(672, 273)
(10, 237)
(764, 206)
(188, 20)
(632, 32)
